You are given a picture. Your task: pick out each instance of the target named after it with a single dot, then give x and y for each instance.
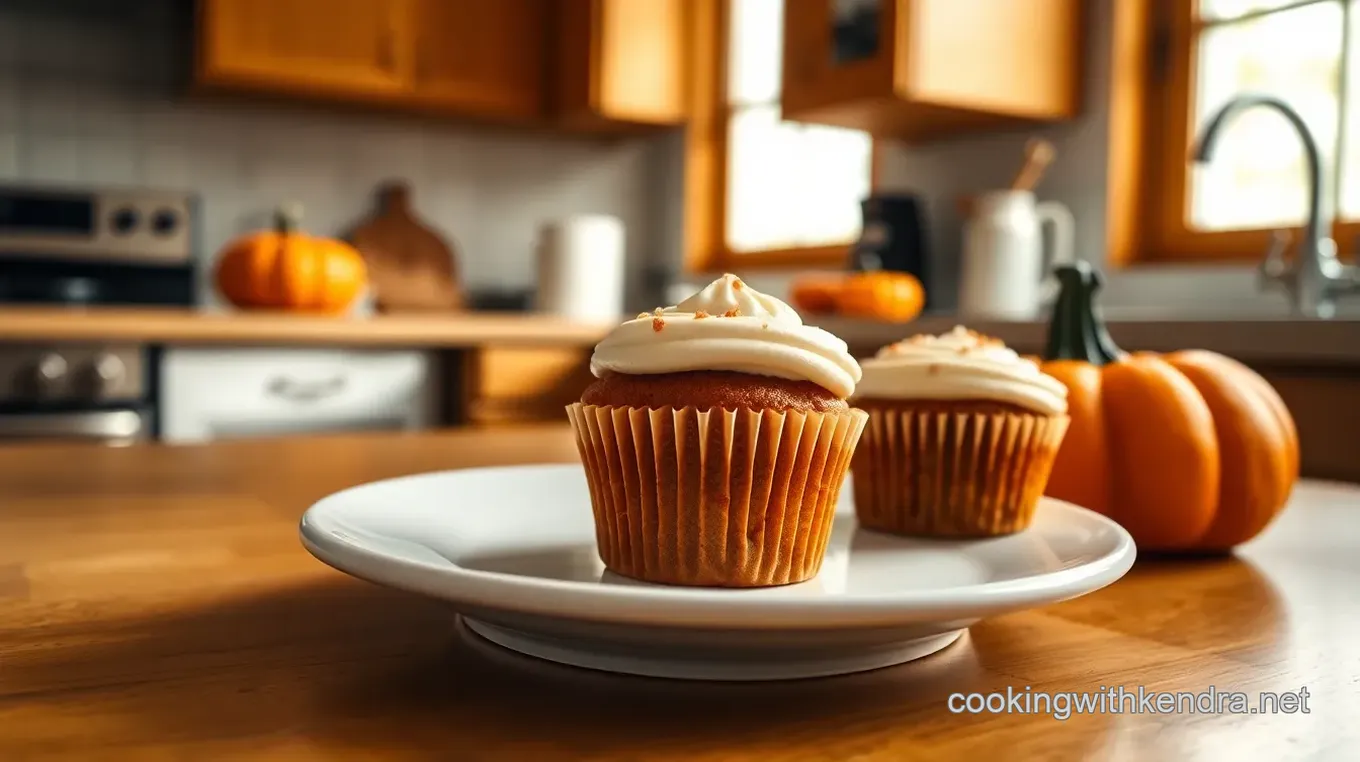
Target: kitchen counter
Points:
(179, 326)
(1278, 340)
(155, 603)
(1332, 342)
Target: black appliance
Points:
(83, 249)
(894, 238)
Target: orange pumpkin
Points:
(881, 295)
(816, 294)
(1189, 451)
(286, 269)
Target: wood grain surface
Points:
(180, 326)
(155, 604)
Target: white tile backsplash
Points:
(86, 99)
(9, 154)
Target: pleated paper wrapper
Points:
(934, 473)
(720, 498)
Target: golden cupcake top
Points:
(727, 325)
(960, 364)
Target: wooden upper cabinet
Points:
(482, 56)
(619, 64)
(359, 47)
(922, 69)
(592, 64)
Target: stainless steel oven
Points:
(86, 249)
(76, 391)
(123, 426)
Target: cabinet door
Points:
(838, 50)
(346, 46)
(480, 56)
(1016, 57)
(620, 61)
(503, 385)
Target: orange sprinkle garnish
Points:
(736, 284)
(734, 312)
(700, 315)
(658, 324)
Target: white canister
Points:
(1004, 273)
(581, 268)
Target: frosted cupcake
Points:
(715, 440)
(961, 438)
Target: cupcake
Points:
(961, 438)
(715, 440)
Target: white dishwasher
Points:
(210, 393)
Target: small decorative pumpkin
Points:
(1189, 451)
(287, 269)
(816, 294)
(894, 297)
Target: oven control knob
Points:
(124, 220)
(103, 374)
(48, 374)
(164, 222)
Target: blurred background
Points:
(514, 176)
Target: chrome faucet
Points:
(1315, 278)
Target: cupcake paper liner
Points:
(941, 474)
(722, 498)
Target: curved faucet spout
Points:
(1316, 277)
(1318, 226)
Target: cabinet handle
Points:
(296, 391)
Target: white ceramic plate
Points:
(513, 549)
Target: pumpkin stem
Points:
(1075, 331)
(287, 218)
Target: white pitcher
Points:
(1005, 274)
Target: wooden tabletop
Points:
(182, 326)
(155, 604)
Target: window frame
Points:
(706, 178)
(1151, 141)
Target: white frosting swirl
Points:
(728, 326)
(960, 365)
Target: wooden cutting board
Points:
(410, 266)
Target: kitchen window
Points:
(760, 191)
(1200, 54)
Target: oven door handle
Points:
(298, 391)
(102, 424)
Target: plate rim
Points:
(693, 607)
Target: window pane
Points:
(1230, 9)
(1257, 177)
(1350, 144)
(762, 188)
(791, 184)
(755, 51)
(834, 167)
